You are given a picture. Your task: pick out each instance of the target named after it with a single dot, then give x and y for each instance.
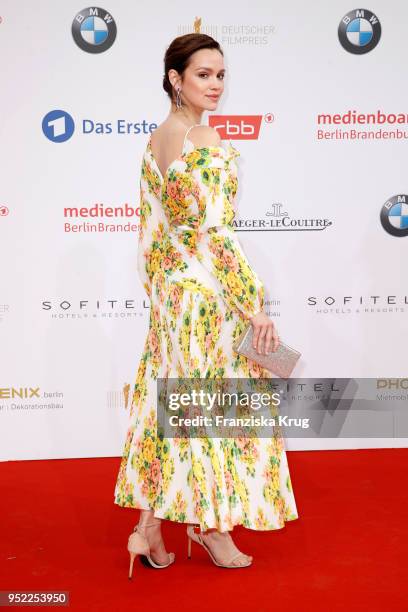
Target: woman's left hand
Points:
(265, 338)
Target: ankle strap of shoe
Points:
(148, 524)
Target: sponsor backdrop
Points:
(314, 102)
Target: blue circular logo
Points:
(359, 31)
(94, 29)
(58, 126)
(394, 215)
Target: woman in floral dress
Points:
(202, 293)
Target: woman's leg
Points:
(153, 535)
(223, 547)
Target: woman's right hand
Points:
(265, 338)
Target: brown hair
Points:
(178, 55)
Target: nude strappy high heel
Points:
(196, 537)
(138, 545)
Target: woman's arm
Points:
(144, 241)
(219, 249)
(223, 256)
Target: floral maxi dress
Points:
(202, 292)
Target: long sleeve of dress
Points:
(144, 241)
(152, 227)
(218, 247)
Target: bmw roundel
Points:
(394, 215)
(94, 29)
(359, 31)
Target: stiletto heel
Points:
(196, 537)
(132, 558)
(138, 545)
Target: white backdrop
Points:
(72, 311)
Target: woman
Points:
(202, 293)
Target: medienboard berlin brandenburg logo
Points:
(94, 29)
(359, 31)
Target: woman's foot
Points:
(153, 536)
(223, 548)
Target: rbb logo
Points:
(239, 127)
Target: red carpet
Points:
(60, 530)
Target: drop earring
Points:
(178, 99)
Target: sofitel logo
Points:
(359, 304)
(278, 220)
(93, 309)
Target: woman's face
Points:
(203, 82)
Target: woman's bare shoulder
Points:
(204, 136)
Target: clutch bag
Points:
(281, 362)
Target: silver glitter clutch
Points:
(281, 362)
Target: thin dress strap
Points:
(185, 135)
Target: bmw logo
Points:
(58, 125)
(394, 215)
(94, 30)
(359, 31)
